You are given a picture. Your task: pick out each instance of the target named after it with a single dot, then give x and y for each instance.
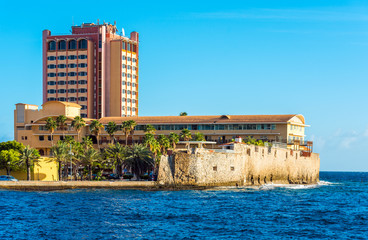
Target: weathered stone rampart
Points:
(244, 165)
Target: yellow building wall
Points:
(44, 170)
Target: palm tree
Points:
(198, 136)
(183, 114)
(60, 152)
(111, 128)
(174, 139)
(60, 121)
(164, 143)
(28, 157)
(87, 143)
(152, 144)
(89, 158)
(78, 123)
(128, 128)
(138, 159)
(185, 134)
(95, 127)
(116, 154)
(51, 125)
(149, 129)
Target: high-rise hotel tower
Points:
(94, 67)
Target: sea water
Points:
(335, 208)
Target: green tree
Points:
(115, 154)
(150, 129)
(60, 154)
(185, 134)
(90, 158)
(78, 124)
(60, 121)
(28, 157)
(87, 143)
(183, 114)
(95, 127)
(51, 125)
(111, 128)
(138, 159)
(174, 139)
(198, 136)
(11, 145)
(128, 128)
(164, 143)
(9, 159)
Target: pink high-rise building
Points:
(94, 67)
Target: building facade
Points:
(29, 126)
(95, 67)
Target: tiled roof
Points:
(203, 119)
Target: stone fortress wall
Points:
(244, 165)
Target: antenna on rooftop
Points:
(122, 32)
(72, 21)
(98, 21)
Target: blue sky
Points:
(220, 57)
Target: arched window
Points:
(62, 45)
(72, 44)
(82, 44)
(52, 46)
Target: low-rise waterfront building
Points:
(29, 126)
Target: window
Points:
(128, 84)
(72, 90)
(51, 83)
(124, 82)
(82, 65)
(82, 73)
(133, 109)
(61, 82)
(134, 92)
(84, 107)
(82, 82)
(72, 57)
(129, 67)
(51, 91)
(41, 138)
(82, 56)
(123, 91)
(128, 46)
(135, 68)
(124, 74)
(62, 45)
(51, 66)
(72, 82)
(273, 127)
(134, 60)
(61, 91)
(71, 74)
(124, 66)
(62, 66)
(72, 99)
(129, 75)
(61, 57)
(72, 65)
(51, 99)
(51, 74)
(82, 44)
(124, 57)
(82, 90)
(124, 45)
(72, 45)
(51, 58)
(133, 101)
(52, 46)
(61, 74)
(129, 91)
(129, 59)
(62, 99)
(49, 138)
(82, 99)
(134, 76)
(83, 115)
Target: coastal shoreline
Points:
(116, 185)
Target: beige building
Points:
(29, 126)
